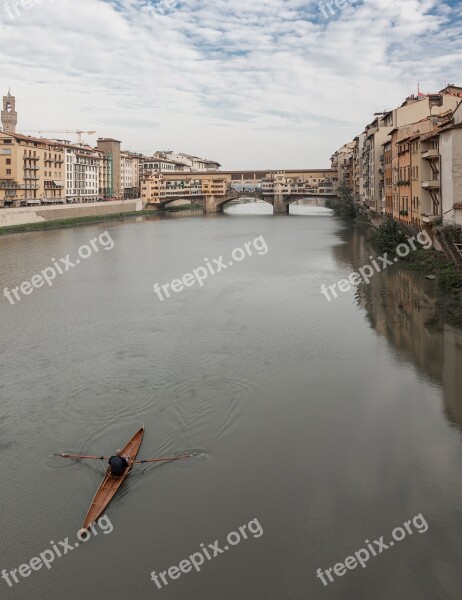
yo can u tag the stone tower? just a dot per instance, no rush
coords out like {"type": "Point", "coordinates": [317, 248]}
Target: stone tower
{"type": "Point", "coordinates": [9, 114]}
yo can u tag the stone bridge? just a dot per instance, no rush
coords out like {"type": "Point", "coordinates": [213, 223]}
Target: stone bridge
{"type": "Point", "coordinates": [215, 204]}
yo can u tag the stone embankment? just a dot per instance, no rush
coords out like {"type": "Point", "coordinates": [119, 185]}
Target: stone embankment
{"type": "Point", "coordinates": [10, 217]}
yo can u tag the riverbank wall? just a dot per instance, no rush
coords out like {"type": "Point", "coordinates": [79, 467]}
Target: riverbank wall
{"type": "Point", "coordinates": [10, 217]}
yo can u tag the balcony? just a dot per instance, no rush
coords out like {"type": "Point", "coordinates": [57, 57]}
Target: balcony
{"type": "Point", "coordinates": [431, 154]}
{"type": "Point", "coordinates": [8, 185]}
{"type": "Point", "coordinates": [431, 184]}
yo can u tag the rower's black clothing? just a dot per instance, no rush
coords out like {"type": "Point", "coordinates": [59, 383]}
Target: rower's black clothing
{"type": "Point", "coordinates": [118, 465]}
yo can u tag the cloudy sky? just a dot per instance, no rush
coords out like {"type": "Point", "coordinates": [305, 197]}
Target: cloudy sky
{"type": "Point", "coordinates": [250, 83]}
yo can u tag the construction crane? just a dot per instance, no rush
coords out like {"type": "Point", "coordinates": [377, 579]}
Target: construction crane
{"type": "Point", "coordinates": [78, 132]}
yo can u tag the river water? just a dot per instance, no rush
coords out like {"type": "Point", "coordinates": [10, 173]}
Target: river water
{"type": "Point", "coordinates": [330, 423]}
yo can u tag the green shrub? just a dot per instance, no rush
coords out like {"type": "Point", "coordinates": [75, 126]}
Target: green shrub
{"type": "Point", "coordinates": [343, 205]}
{"type": "Point", "coordinates": [390, 235]}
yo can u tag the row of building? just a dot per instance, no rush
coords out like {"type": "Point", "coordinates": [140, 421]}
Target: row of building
{"type": "Point", "coordinates": [407, 163]}
{"type": "Point", "coordinates": [51, 171]}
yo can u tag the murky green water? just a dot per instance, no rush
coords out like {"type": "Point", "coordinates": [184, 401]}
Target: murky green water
{"type": "Point", "coordinates": [330, 423]}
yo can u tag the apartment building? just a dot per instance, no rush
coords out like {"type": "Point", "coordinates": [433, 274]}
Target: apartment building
{"type": "Point", "coordinates": [357, 168]}
{"type": "Point", "coordinates": [105, 177]}
{"type": "Point", "coordinates": [192, 163]}
{"type": "Point", "coordinates": [32, 170]}
{"type": "Point", "coordinates": [450, 144]}
{"type": "Point", "coordinates": [342, 161]}
{"type": "Point", "coordinates": [403, 174]}
{"type": "Point", "coordinates": [161, 165]}
{"type": "Point", "coordinates": [376, 134]}
{"type": "Point", "coordinates": [82, 169]}
{"type": "Point", "coordinates": [388, 177]}
{"type": "Point", "coordinates": [130, 168]}
{"type": "Point", "coordinates": [416, 185]}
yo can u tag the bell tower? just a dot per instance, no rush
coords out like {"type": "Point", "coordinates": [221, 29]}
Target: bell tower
{"type": "Point", "coordinates": [9, 114]}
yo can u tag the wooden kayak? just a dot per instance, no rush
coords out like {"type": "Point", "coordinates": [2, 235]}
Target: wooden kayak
{"type": "Point", "coordinates": [111, 484]}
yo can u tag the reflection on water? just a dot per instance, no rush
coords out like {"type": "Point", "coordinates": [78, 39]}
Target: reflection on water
{"type": "Point", "coordinates": [305, 207]}
{"type": "Point", "coordinates": [407, 310]}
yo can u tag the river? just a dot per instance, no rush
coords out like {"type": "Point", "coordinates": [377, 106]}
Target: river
{"type": "Point", "coordinates": [318, 424]}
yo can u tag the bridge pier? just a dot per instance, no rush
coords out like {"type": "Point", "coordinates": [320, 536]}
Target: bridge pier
{"type": "Point", "coordinates": [279, 206]}
{"type": "Point", "coordinates": [211, 205]}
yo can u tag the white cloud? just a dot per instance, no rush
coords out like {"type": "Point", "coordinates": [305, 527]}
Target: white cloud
{"type": "Point", "coordinates": [267, 83]}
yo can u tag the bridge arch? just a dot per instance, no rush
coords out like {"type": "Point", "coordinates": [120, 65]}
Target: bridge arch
{"type": "Point", "coordinates": [166, 201]}
{"type": "Point", "coordinates": [221, 203]}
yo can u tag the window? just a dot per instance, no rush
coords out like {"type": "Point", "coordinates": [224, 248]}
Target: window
{"type": "Point", "coordinates": [8, 161]}
{"type": "Point", "coordinates": [8, 171]}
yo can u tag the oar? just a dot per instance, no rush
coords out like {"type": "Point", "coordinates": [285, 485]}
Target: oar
{"type": "Point", "coordinates": [81, 456]}
{"type": "Point", "coordinates": [151, 460]}
{"type": "Point", "coordinates": [133, 462]}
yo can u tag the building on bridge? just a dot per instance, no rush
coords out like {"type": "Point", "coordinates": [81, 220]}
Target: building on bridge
{"type": "Point", "coordinates": [214, 191]}
{"type": "Point", "coordinates": [157, 188]}
{"type": "Point", "coordinates": [289, 186]}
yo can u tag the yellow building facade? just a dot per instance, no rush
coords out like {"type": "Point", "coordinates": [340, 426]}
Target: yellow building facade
{"type": "Point", "coordinates": [31, 171]}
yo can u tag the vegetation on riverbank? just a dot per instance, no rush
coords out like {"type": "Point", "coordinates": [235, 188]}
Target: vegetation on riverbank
{"type": "Point", "coordinates": [448, 275]}
{"type": "Point", "coordinates": [392, 233]}
{"type": "Point", "coordinates": [344, 205]}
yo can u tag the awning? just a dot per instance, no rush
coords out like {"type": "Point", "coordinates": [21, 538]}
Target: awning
{"type": "Point", "coordinates": [58, 183]}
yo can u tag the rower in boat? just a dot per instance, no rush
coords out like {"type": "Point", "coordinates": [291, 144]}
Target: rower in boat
{"type": "Point", "coordinates": [119, 463]}
{"type": "Point", "coordinates": [126, 458]}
